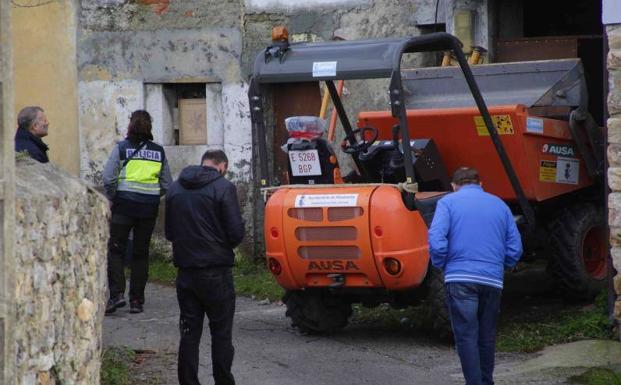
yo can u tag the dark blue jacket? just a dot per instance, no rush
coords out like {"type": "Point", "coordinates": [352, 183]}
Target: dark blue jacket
{"type": "Point", "coordinates": [33, 145]}
{"type": "Point", "coordinates": [203, 219]}
{"type": "Point", "coordinates": [473, 237]}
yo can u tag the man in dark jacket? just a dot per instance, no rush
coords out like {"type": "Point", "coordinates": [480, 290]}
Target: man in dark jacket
{"type": "Point", "coordinates": [204, 224]}
{"type": "Point", "coordinates": [32, 125]}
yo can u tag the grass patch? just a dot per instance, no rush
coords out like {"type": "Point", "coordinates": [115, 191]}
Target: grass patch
{"type": "Point", "coordinates": [523, 326]}
{"type": "Point", "coordinates": [115, 365]}
{"type": "Point", "coordinates": [531, 330]}
{"type": "Point", "coordinates": [252, 278]}
{"type": "Point", "coordinates": [597, 376]}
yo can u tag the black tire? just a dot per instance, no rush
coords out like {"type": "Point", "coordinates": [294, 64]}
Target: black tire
{"type": "Point", "coordinates": [316, 312]}
{"type": "Point", "coordinates": [579, 250]}
{"type": "Point", "coordinates": [440, 320]}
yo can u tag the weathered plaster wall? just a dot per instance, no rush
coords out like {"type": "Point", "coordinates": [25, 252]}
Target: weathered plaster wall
{"type": "Point", "coordinates": [44, 52]}
{"type": "Point", "coordinates": [61, 235]}
{"type": "Point", "coordinates": [130, 49]}
{"type": "Point", "coordinates": [614, 154]}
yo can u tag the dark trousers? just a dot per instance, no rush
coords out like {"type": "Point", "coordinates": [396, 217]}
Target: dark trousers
{"type": "Point", "coordinates": [208, 292]}
{"type": "Point", "coordinates": [120, 226]}
{"type": "Point", "coordinates": [473, 310]}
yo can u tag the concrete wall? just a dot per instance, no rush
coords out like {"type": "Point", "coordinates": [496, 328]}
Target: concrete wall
{"type": "Point", "coordinates": [61, 235]}
{"type": "Point", "coordinates": [44, 52]}
{"type": "Point", "coordinates": [614, 154]}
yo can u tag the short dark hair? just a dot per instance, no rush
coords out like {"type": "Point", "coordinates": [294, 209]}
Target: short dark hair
{"type": "Point", "coordinates": [216, 156]}
{"type": "Point", "coordinates": [27, 116]}
{"type": "Point", "coordinates": [466, 175]}
{"type": "Point", "coordinates": [139, 128]}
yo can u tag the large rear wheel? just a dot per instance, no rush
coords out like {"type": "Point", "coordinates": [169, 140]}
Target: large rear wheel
{"type": "Point", "coordinates": [316, 312]}
{"type": "Point", "coordinates": [440, 320]}
{"type": "Point", "coordinates": [580, 250]}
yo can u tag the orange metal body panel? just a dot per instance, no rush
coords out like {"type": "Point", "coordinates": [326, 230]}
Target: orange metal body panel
{"type": "Point", "coordinates": [454, 131]}
{"type": "Point", "coordinates": [309, 246]}
{"type": "Point", "coordinates": [403, 236]}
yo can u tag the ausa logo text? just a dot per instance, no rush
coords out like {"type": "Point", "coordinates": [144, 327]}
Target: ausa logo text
{"type": "Point", "coordinates": [332, 266]}
{"type": "Point", "coordinates": [558, 149]}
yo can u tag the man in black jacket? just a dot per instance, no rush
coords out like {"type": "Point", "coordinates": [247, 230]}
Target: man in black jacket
{"type": "Point", "coordinates": [204, 224]}
{"type": "Point", "coordinates": [32, 125]}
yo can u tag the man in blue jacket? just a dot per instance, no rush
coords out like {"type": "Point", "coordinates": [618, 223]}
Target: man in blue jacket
{"type": "Point", "coordinates": [204, 224]}
{"type": "Point", "coordinates": [32, 126]}
{"type": "Point", "coordinates": [472, 239]}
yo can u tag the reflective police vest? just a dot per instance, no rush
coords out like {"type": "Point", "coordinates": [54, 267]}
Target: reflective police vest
{"type": "Point", "coordinates": [141, 174]}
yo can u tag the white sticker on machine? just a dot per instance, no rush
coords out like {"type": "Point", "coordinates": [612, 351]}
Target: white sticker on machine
{"type": "Point", "coordinates": [323, 69]}
{"type": "Point", "coordinates": [534, 125]}
{"type": "Point", "coordinates": [567, 170]}
{"type": "Point", "coordinates": [326, 200]}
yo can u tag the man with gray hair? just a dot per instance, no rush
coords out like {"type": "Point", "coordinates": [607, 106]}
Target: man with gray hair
{"type": "Point", "coordinates": [32, 125]}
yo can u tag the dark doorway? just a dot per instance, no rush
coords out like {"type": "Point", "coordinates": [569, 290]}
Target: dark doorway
{"type": "Point", "coordinates": [555, 29]}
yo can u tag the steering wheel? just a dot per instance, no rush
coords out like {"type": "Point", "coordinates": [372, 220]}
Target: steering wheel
{"type": "Point", "coordinates": [363, 144]}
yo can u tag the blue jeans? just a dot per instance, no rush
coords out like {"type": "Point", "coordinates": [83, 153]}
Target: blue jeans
{"type": "Point", "coordinates": [473, 309]}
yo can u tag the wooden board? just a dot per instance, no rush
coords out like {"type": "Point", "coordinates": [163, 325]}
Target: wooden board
{"type": "Point", "coordinates": [192, 121]}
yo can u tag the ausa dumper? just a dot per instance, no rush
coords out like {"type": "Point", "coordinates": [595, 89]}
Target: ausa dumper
{"type": "Point", "coordinates": [333, 241]}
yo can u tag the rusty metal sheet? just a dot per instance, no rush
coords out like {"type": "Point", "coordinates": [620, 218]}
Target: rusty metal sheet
{"type": "Point", "coordinates": [524, 49]}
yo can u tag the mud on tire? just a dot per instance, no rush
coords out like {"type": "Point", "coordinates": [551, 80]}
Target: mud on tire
{"type": "Point", "coordinates": [579, 250]}
{"type": "Point", "coordinates": [316, 312]}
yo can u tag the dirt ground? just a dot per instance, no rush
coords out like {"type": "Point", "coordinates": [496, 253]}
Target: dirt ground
{"type": "Point", "coordinates": [269, 351]}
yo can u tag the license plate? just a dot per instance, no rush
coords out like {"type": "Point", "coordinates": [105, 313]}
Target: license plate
{"type": "Point", "coordinates": [305, 163]}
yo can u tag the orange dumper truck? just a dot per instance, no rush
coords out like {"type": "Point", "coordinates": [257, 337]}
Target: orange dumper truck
{"type": "Point", "coordinates": [332, 241]}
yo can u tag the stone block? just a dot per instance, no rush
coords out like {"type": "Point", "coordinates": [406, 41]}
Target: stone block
{"type": "Point", "coordinates": [617, 283]}
{"type": "Point", "coordinates": [614, 59]}
{"type": "Point", "coordinates": [617, 310]}
{"type": "Point", "coordinates": [44, 378]}
{"type": "Point", "coordinates": [615, 236]}
{"type": "Point", "coordinates": [614, 37]}
{"type": "Point", "coordinates": [614, 179]}
{"type": "Point", "coordinates": [614, 129]}
{"type": "Point", "coordinates": [615, 254]}
{"type": "Point", "coordinates": [614, 155]}
{"type": "Point", "coordinates": [614, 210]}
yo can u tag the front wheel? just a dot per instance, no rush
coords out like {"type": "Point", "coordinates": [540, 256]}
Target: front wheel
{"type": "Point", "coordinates": [316, 312]}
{"type": "Point", "coordinates": [580, 250]}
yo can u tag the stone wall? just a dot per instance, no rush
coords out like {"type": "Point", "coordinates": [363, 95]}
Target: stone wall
{"type": "Point", "coordinates": [60, 261]}
{"type": "Point", "coordinates": [614, 154]}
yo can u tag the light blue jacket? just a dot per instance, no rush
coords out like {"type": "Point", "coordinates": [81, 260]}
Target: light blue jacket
{"type": "Point", "coordinates": [473, 237]}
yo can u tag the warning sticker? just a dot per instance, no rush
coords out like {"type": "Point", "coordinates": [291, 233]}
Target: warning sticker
{"type": "Point", "coordinates": [326, 200]}
{"type": "Point", "coordinates": [502, 123]}
{"type": "Point", "coordinates": [567, 170]}
{"type": "Point", "coordinates": [547, 171]}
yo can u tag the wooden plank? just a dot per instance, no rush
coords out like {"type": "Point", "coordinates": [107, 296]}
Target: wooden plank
{"type": "Point", "coordinates": [192, 121]}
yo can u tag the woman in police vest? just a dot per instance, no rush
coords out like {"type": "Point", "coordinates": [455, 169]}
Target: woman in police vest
{"type": "Point", "coordinates": [135, 177]}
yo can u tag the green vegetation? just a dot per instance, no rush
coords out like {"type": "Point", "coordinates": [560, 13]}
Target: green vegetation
{"type": "Point", "coordinates": [597, 376]}
{"type": "Point", "coordinates": [522, 328]}
{"type": "Point", "coordinates": [115, 365]}
{"type": "Point", "coordinates": [529, 331]}
{"type": "Point", "coordinates": [251, 278]}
